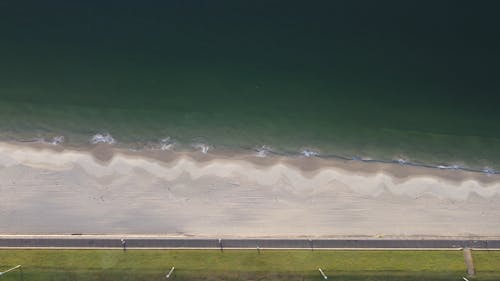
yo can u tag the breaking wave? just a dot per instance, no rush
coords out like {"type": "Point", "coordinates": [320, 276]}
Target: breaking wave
{"type": "Point", "coordinates": [167, 144]}
{"type": "Point", "coordinates": [102, 138]}
{"type": "Point", "coordinates": [202, 147]}
{"type": "Point", "coordinates": [309, 152]}
{"type": "Point", "coordinates": [57, 140]}
{"type": "Point", "coordinates": [263, 151]}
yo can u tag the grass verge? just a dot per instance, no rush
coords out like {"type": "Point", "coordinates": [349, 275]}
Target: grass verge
{"type": "Point", "coordinates": [94, 265]}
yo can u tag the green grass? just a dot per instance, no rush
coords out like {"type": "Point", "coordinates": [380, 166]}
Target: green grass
{"type": "Point", "coordinates": [487, 263]}
{"type": "Point", "coordinates": [244, 265]}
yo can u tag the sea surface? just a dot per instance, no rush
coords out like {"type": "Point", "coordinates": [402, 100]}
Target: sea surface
{"type": "Point", "coordinates": [407, 81]}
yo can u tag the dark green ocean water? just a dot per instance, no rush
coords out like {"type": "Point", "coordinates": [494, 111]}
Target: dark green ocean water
{"type": "Point", "coordinates": [417, 80]}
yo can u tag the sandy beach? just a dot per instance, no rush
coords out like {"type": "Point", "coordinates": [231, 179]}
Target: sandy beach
{"type": "Point", "coordinates": [50, 190]}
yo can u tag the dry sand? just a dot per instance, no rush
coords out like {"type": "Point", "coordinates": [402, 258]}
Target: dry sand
{"type": "Point", "coordinates": [45, 190]}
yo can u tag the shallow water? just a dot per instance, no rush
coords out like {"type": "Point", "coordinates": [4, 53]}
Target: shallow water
{"type": "Point", "coordinates": [386, 81]}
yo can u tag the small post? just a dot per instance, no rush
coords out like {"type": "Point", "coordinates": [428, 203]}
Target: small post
{"type": "Point", "coordinates": [311, 244]}
{"type": "Point", "coordinates": [323, 274]}
{"type": "Point", "coordinates": [10, 269]}
{"type": "Point", "coordinates": [220, 245]}
{"type": "Point", "coordinates": [124, 244]}
{"type": "Point", "coordinates": [258, 249]}
{"type": "Point", "coordinates": [170, 272]}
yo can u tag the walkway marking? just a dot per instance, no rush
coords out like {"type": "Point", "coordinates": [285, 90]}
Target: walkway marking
{"type": "Point", "coordinates": [323, 274]}
{"type": "Point", "coordinates": [10, 269]}
{"type": "Point", "coordinates": [170, 272]}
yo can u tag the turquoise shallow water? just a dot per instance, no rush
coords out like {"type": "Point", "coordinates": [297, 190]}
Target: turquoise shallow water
{"type": "Point", "coordinates": [417, 81]}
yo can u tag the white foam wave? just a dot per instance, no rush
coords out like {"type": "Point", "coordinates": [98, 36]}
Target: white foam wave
{"type": "Point", "coordinates": [263, 151]}
{"type": "Point", "coordinates": [401, 161]}
{"type": "Point", "coordinates": [57, 140]}
{"type": "Point", "coordinates": [102, 138]}
{"type": "Point", "coordinates": [309, 153]}
{"type": "Point", "coordinates": [488, 171]}
{"type": "Point", "coordinates": [167, 144]}
{"type": "Point", "coordinates": [451, 167]}
{"type": "Point", "coordinates": [203, 148]}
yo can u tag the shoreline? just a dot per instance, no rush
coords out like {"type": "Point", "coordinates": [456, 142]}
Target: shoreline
{"type": "Point", "coordinates": [308, 165]}
{"type": "Point", "coordinates": [53, 190]}
{"type": "Point", "coordinates": [193, 147]}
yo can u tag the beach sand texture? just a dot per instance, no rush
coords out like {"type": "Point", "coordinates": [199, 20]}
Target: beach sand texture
{"type": "Point", "coordinates": [49, 191]}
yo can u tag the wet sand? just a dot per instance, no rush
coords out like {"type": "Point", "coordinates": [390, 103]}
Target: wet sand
{"type": "Point", "coordinates": [51, 190]}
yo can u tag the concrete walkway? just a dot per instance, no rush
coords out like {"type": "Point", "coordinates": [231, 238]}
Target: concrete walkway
{"type": "Point", "coordinates": [214, 243]}
{"type": "Point", "coordinates": [469, 262]}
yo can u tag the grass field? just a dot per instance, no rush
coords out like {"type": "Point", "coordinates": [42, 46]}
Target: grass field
{"type": "Point", "coordinates": [245, 265]}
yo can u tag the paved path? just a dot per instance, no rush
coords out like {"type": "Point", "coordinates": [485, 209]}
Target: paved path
{"type": "Point", "coordinates": [83, 242]}
{"type": "Point", "coordinates": [469, 262]}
